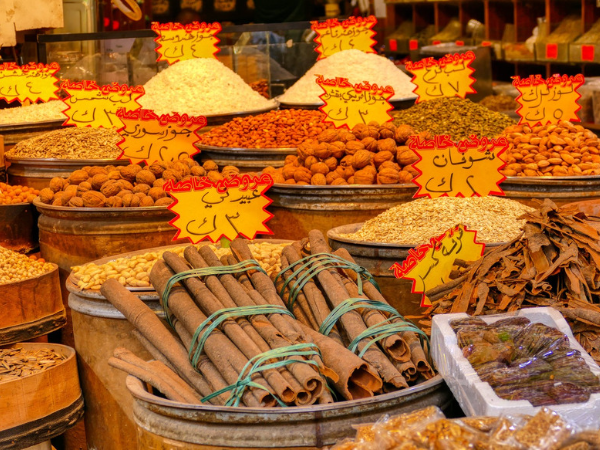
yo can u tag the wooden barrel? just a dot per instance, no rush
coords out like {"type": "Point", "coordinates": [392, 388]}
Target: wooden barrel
{"type": "Point", "coordinates": [13, 134]}
{"type": "Point", "coordinates": [37, 172]}
{"type": "Point", "coordinates": [18, 229]}
{"type": "Point", "coordinates": [38, 407]}
{"type": "Point", "coordinates": [532, 190]}
{"type": "Point", "coordinates": [378, 258]}
{"type": "Point", "coordinates": [245, 159]}
{"type": "Point", "coordinates": [31, 308]}
{"type": "Point", "coordinates": [299, 209]}
{"type": "Point", "coordinates": [167, 425]}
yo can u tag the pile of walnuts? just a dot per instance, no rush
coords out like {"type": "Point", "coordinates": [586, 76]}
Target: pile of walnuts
{"type": "Point", "coordinates": [368, 154]}
{"type": "Point", "coordinates": [126, 186]}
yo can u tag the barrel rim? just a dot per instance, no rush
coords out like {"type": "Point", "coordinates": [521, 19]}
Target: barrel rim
{"type": "Point", "coordinates": [305, 104]}
{"type": "Point", "coordinates": [548, 181]}
{"type": "Point", "coordinates": [65, 161]}
{"type": "Point", "coordinates": [23, 126]}
{"type": "Point", "coordinates": [125, 210]}
{"type": "Point", "coordinates": [247, 150]}
{"type": "Point", "coordinates": [16, 204]}
{"type": "Point", "coordinates": [136, 389]}
{"type": "Point", "coordinates": [357, 187]}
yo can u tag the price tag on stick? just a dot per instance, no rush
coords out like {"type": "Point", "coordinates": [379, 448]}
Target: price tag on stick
{"type": "Point", "coordinates": [543, 101]}
{"type": "Point", "coordinates": [90, 105]}
{"type": "Point", "coordinates": [224, 209]}
{"type": "Point", "coordinates": [348, 105]}
{"type": "Point", "coordinates": [177, 42]}
{"type": "Point", "coordinates": [148, 137]}
{"type": "Point", "coordinates": [31, 82]}
{"type": "Point", "coordinates": [449, 76]}
{"type": "Point", "coordinates": [431, 264]}
{"type": "Point", "coordinates": [334, 36]}
{"type": "Point", "coordinates": [458, 169]}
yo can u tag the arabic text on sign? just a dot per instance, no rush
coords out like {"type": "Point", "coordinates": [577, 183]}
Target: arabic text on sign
{"type": "Point", "coordinates": [90, 105]}
{"type": "Point", "coordinates": [30, 82]}
{"type": "Point", "coordinates": [429, 265]}
{"type": "Point", "coordinates": [466, 168]}
{"type": "Point", "coordinates": [225, 209]}
{"type": "Point", "coordinates": [543, 101]}
{"type": "Point", "coordinates": [334, 36]}
{"type": "Point", "coordinates": [177, 42]}
{"type": "Point", "coordinates": [450, 76]}
{"type": "Point", "coordinates": [148, 137]}
{"type": "Point", "coordinates": [348, 105]}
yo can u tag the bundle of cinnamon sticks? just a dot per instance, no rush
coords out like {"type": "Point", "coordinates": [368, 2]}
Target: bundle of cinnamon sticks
{"type": "Point", "coordinates": [555, 262]}
{"type": "Point", "coordinates": [232, 337]}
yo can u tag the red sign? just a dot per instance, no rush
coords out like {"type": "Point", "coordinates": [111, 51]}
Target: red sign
{"type": "Point", "coordinates": [393, 45]}
{"type": "Point", "coordinates": [551, 51]}
{"type": "Point", "coordinates": [413, 44]}
{"type": "Point", "coordinates": [587, 52]}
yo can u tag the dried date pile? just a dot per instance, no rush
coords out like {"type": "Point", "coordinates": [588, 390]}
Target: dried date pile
{"type": "Point", "coordinates": [555, 262]}
{"type": "Point", "coordinates": [18, 362]}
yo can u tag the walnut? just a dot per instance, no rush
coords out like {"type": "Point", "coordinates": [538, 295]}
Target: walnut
{"type": "Point", "coordinates": [360, 131]}
{"type": "Point", "coordinates": [403, 132]}
{"type": "Point", "coordinates": [414, 172]}
{"type": "Point", "coordinates": [142, 187]}
{"type": "Point", "coordinates": [278, 178]}
{"type": "Point", "coordinates": [309, 161]}
{"type": "Point", "coordinates": [372, 131]}
{"type": "Point", "coordinates": [229, 171]}
{"type": "Point", "coordinates": [57, 202]}
{"type": "Point", "coordinates": [292, 159]}
{"type": "Point", "coordinates": [388, 176]}
{"type": "Point", "coordinates": [146, 201]}
{"type": "Point", "coordinates": [111, 187]}
{"type": "Point", "coordinates": [165, 201]}
{"type": "Point", "coordinates": [79, 176]}
{"type": "Point", "coordinates": [328, 136]}
{"type": "Point", "coordinates": [323, 150]}
{"type": "Point", "coordinates": [351, 180]}
{"type": "Point", "coordinates": [341, 170]}
{"type": "Point", "coordinates": [127, 200]}
{"type": "Point", "coordinates": [339, 182]}
{"type": "Point", "coordinates": [302, 183]}
{"type": "Point", "coordinates": [405, 176]}
{"type": "Point", "coordinates": [288, 171]}
{"type": "Point", "coordinates": [387, 145]}
{"type": "Point", "coordinates": [114, 202]}
{"type": "Point", "coordinates": [364, 177]}
{"type": "Point", "coordinates": [362, 158]}
{"type": "Point", "coordinates": [169, 175]}
{"type": "Point", "coordinates": [126, 185]}
{"type": "Point", "coordinates": [331, 177]}
{"type": "Point", "coordinates": [145, 177]}
{"type": "Point", "coordinates": [370, 144]}
{"type": "Point", "coordinates": [75, 202]}
{"type": "Point", "coordinates": [47, 196]}
{"type": "Point", "coordinates": [349, 172]}
{"type": "Point", "coordinates": [387, 130]}
{"type": "Point", "coordinates": [57, 184]}
{"type": "Point", "coordinates": [95, 170]}
{"type": "Point", "coordinates": [135, 201]}
{"type": "Point", "coordinates": [156, 193]}
{"type": "Point", "coordinates": [157, 169]}
{"type": "Point", "coordinates": [382, 157]}
{"type": "Point", "coordinates": [319, 168]}
{"type": "Point", "coordinates": [83, 187]}
{"type": "Point", "coordinates": [129, 172]}
{"type": "Point", "coordinates": [389, 165]}
{"type": "Point", "coordinates": [68, 194]}
{"type": "Point", "coordinates": [338, 149]}
{"type": "Point", "coordinates": [305, 149]}
{"type": "Point", "coordinates": [181, 167]}
{"type": "Point", "coordinates": [185, 159]}
{"type": "Point", "coordinates": [98, 180]}
{"type": "Point", "coordinates": [114, 175]}
{"type": "Point", "coordinates": [347, 161]}
{"type": "Point", "coordinates": [318, 180]}
{"type": "Point", "coordinates": [353, 147]}
{"type": "Point", "coordinates": [371, 169]}
{"type": "Point", "coordinates": [124, 192]}
{"type": "Point", "coordinates": [347, 137]}
{"type": "Point", "coordinates": [210, 165]}
{"type": "Point", "coordinates": [215, 176]}
{"type": "Point", "coordinates": [159, 183]}
{"type": "Point", "coordinates": [290, 181]}
{"type": "Point", "coordinates": [198, 171]}
{"type": "Point", "coordinates": [93, 199]}
{"type": "Point", "coordinates": [407, 157]}
{"type": "Point", "coordinates": [302, 174]}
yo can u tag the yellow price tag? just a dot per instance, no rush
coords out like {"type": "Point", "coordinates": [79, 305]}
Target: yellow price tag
{"type": "Point", "coordinates": [148, 137]}
{"type": "Point", "coordinates": [348, 105]}
{"type": "Point", "coordinates": [177, 42]}
{"type": "Point", "coordinates": [548, 101]}
{"type": "Point", "coordinates": [467, 168]}
{"type": "Point", "coordinates": [429, 265]}
{"type": "Point", "coordinates": [224, 209]}
{"type": "Point", "coordinates": [31, 82]}
{"type": "Point", "coordinates": [353, 33]}
{"type": "Point", "coordinates": [450, 76]}
{"type": "Point", "coordinates": [90, 105]}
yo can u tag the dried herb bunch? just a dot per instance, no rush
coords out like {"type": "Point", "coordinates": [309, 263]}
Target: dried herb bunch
{"type": "Point", "coordinates": [553, 263]}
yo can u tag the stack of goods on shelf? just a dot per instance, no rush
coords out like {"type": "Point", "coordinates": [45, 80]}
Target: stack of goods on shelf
{"type": "Point", "coordinates": [368, 154]}
{"type": "Point", "coordinates": [455, 117]}
{"type": "Point", "coordinates": [567, 31]}
{"type": "Point", "coordinates": [429, 429]}
{"type": "Point", "coordinates": [35, 112]}
{"type": "Point", "coordinates": [577, 53]}
{"type": "Point", "coordinates": [357, 67]}
{"type": "Point", "coordinates": [201, 87]}
{"type": "Point", "coordinates": [306, 339]}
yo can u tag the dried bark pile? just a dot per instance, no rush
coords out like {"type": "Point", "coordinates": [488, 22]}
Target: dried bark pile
{"type": "Point", "coordinates": [553, 263]}
{"type": "Point", "coordinates": [212, 349]}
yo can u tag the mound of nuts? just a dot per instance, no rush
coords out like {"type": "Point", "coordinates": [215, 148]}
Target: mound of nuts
{"type": "Point", "coordinates": [16, 267]}
{"type": "Point", "coordinates": [285, 128]}
{"type": "Point", "coordinates": [127, 186]}
{"type": "Point", "coordinates": [10, 195]}
{"type": "Point", "coordinates": [558, 150]}
{"type": "Point", "coordinates": [368, 154]}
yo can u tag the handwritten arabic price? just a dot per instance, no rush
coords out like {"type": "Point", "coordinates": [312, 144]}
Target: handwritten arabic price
{"type": "Point", "coordinates": [548, 101]}
{"type": "Point", "coordinates": [177, 42]}
{"type": "Point", "coordinates": [458, 169]}
{"type": "Point", "coordinates": [334, 36]}
{"type": "Point", "coordinates": [430, 265]}
{"type": "Point", "coordinates": [450, 76]}
{"type": "Point", "coordinates": [348, 105]}
{"type": "Point", "coordinates": [224, 209]}
{"type": "Point", "coordinates": [90, 105]}
{"type": "Point", "coordinates": [148, 137]}
{"type": "Point", "coordinates": [31, 82]}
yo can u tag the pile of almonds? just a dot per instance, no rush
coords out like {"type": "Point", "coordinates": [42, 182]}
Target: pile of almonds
{"type": "Point", "coordinates": [127, 186]}
{"type": "Point", "coordinates": [13, 194]}
{"type": "Point", "coordinates": [558, 150]}
{"type": "Point", "coordinates": [368, 154]}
